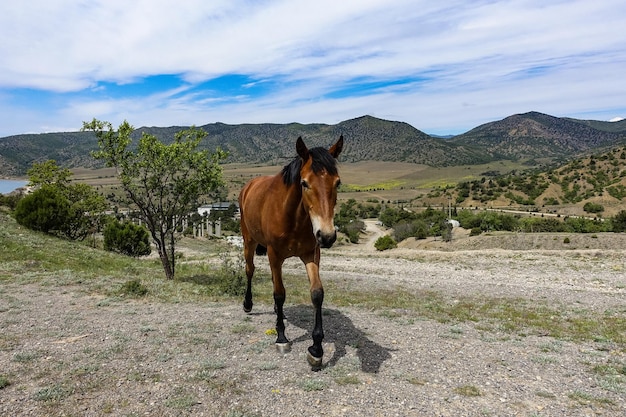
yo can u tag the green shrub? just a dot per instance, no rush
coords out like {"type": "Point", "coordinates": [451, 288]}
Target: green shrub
{"type": "Point", "coordinates": [126, 238]}
{"type": "Point", "coordinates": [72, 211]}
{"type": "Point", "coordinates": [618, 222]}
{"type": "Point", "coordinates": [385, 242]}
{"type": "Point", "coordinates": [593, 208]}
{"type": "Point", "coordinates": [353, 230]}
{"type": "Point", "coordinates": [44, 210]}
{"type": "Point", "coordinates": [475, 231]}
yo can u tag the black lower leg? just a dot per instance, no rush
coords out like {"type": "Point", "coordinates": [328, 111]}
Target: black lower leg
{"type": "Point", "coordinates": [247, 299]}
{"type": "Point", "coordinates": [316, 350]}
{"type": "Point", "coordinates": [279, 301]}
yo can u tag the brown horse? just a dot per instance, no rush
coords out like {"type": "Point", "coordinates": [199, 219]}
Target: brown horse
{"type": "Point", "coordinates": [291, 214]}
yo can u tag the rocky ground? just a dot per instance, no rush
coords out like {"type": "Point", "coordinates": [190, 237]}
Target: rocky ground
{"type": "Point", "coordinates": [64, 352]}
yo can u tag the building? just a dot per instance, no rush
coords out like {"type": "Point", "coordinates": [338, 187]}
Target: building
{"type": "Point", "coordinates": [205, 210]}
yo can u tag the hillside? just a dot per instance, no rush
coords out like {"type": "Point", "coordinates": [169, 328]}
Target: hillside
{"type": "Point", "coordinates": [539, 136]}
{"type": "Point", "coordinates": [599, 179]}
{"type": "Point", "coordinates": [531, 136]}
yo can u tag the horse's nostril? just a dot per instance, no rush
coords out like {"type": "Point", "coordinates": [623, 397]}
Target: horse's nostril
{"type": "Point", "coordinates": [326, 241]}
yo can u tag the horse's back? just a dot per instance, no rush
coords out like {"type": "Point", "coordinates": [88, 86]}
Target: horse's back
{"type": "Point", "coordinates": [252, 195]}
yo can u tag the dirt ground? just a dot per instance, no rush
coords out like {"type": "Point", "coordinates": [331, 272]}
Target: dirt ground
{"type": "Point", "coordinates": [67, 353]}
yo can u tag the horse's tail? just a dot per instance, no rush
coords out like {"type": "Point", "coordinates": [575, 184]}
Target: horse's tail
{"type": "Point", "coordinates": [261, 250]}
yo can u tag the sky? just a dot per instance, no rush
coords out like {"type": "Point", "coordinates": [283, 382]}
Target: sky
{"type": "Point", "coordinates": [444, 67]}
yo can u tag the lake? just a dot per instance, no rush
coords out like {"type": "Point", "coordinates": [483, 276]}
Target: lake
{"type": "Point", "coordinates": [6, 186]}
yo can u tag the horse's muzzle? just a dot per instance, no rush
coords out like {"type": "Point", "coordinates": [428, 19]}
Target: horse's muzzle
{"type": "Point", "coordinates": [326, 240]}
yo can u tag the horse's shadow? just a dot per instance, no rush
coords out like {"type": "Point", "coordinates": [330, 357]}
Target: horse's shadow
{"type": "Point", "coordinates": [340, 330]}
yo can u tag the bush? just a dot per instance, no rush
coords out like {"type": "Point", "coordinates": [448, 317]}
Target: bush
{"type": "Point", "coordinates": [385, 242]}
{"type": "Point", "coordinates": [593, 207]}
{"type": "Point", "coordinates": [45, 210]}
{"type": "Point", "coordinates": [475, 231]}
{"type": "Point", "coordinates": [618, 222]}
{"type": "Point", "coordinates": [126, 238]}
{"type": "Point", "coordinates": [10, 200]}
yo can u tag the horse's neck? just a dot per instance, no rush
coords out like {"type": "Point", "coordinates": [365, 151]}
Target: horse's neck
{"type": "Point", "coordinates": [293, 201]}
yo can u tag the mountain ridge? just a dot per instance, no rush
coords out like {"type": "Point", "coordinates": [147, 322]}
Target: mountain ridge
{"type": "Point", "coordinates": [524, 136]}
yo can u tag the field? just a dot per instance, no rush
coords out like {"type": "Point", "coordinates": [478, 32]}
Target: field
{"type": "Point", "coordinates": [492, 325]}
{"type": "Point", "coordinates": [361, 180]}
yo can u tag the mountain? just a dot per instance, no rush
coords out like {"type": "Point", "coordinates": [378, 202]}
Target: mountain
{"type": "Point", "coordinates": [368, 138]}
{"type": "Point", "coordinates": [535, 135]}
{"type": "Point", "coordinates": [522, 137]}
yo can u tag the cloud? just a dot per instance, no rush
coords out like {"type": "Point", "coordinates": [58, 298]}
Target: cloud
{"type": "Point", "coordinates": [442, 67]}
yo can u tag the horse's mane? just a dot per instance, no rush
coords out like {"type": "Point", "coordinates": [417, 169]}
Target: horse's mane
{"type": "Point", "coordinates": [322, 160]}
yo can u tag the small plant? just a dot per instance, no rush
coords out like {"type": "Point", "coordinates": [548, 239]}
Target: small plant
{"type": "Point", "coordinates": [4, 381]}
{"type": "Point", "coordinates": [313, 385]}
{"type": "Point", "coordinates": [347, 379]}
{"type": "Point", "coordinates": [566, 240]}
{"type": "Point", "coordinates": [467, 391]}
{"type": "Point", "coordinates": [133, 288]}
{"type": "Point", "coordinates": [52, 393]}
{"type": "Point", "coordinates": [385, 242]}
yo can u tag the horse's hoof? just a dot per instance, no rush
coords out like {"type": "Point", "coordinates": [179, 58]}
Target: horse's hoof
{"type": "Point", "coordinates": [283, 347]}
{"type": "Point", "coordinates": [247, 310]}
{"type": "Point", "coordinates": [316, 363]}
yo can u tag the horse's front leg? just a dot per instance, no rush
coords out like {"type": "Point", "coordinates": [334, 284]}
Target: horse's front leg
{"type": "Point", "coordinates": [283, 345]}
{"type": "Point", "coordinates": [315, 352]}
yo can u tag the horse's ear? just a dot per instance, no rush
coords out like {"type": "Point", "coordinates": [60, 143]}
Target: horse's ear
{"type": "Point", "coordinates": [302, 150]}
{"type": "Point", "coordinates": [335, 150]}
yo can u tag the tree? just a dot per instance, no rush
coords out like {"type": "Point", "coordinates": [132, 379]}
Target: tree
{"type": "Point", "coordinates": [48, 173]}
{"type": "Point", "coordinates": [161, 182]}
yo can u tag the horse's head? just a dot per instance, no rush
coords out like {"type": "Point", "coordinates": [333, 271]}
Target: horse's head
{"type": "Point", "coordinates": [319, 180]}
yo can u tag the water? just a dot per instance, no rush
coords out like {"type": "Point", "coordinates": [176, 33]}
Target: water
{"type": "Point", "coordinates": [6, 186]}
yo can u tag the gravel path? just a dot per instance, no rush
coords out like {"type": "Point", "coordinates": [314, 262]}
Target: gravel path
{"type": "Point", "coordinates": [66, 353]}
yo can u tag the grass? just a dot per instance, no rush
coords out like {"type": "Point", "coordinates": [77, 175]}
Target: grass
{"type": "Point", "coordinates": [584, 398]}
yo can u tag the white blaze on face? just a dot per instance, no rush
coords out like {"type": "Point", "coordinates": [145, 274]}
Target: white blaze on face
{"type": "Point", "coordinates": [317, 224]}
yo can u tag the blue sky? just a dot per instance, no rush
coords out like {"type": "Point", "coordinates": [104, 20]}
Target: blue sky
{"type": "Point", "coordinates": [443, 67]}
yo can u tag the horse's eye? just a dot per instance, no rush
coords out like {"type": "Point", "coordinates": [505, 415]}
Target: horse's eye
{"type": "Point", "coordinates": [338, 184]}
{"type": "Point", "coordinates": [304, 184]}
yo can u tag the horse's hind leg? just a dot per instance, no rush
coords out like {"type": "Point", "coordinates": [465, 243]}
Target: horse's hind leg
{"type": "Point", "coordinates": [248, 253]}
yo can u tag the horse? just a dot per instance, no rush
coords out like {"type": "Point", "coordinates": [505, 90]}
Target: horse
{"type": "Point", "coordinates": [291, 214]}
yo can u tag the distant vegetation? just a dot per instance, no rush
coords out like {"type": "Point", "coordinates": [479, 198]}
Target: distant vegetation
{"type": "Point", "coordinates": [597, 176]}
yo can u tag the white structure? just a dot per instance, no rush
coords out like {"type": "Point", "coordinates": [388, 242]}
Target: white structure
{"type": "Point", "coordinates": [206, 209]}
{"type": "Point", "coordinates": [454, 223]}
